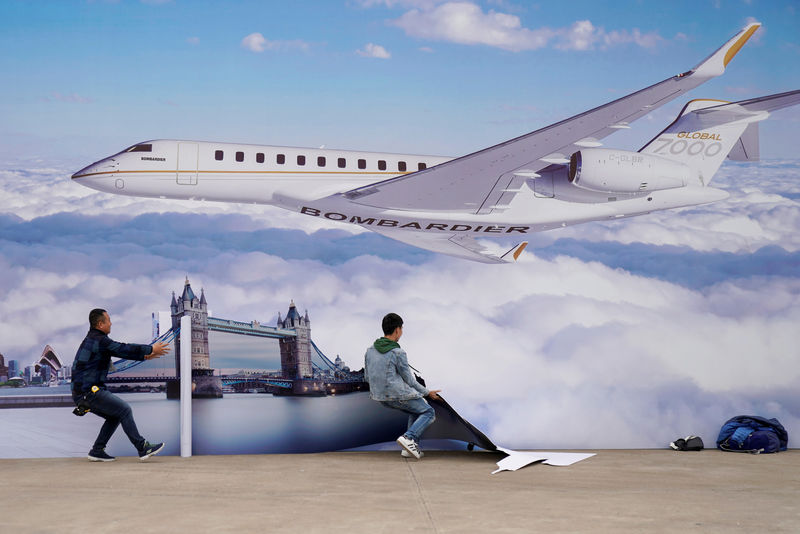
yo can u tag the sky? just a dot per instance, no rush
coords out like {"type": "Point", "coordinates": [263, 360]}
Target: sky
{"type": "Point", "coordinates": [616, 334]}
{"type": "Point", "coordinates": [83, 79]}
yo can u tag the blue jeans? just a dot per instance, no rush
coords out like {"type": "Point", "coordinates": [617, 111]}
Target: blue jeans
{"type": "Point", "coordinates": [115, 411]}
{"type": "Point", "coordinates": [420, 415]}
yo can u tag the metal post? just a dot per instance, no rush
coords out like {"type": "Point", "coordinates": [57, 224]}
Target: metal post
{"type": "Point", "coordinates": [186, 386]}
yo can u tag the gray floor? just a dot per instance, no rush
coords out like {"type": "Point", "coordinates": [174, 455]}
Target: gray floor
{"type": "Point", "coordinates": [373, 492]}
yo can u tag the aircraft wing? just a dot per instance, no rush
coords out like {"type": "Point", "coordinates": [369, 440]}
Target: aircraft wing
{"type": "Point", "coordinates": [459, 245]}
{"type": "Point", "coordinates": [486, 181]}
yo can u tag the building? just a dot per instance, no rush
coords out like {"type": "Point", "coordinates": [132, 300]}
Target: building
{"type": "Point", "coordinates": [189, 304]}
{"type": "Point", "coordinates": [13, 369]}
{"type": "Point", "coordinates": [3, 369]}
{"type": "Point", "coordinates": [296, 351]}
{"type": "Point", "coordinates": [205, 384]}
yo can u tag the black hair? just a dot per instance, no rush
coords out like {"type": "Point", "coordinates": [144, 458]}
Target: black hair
{"type": "Point", "coordinates": [390, 322]}
{"type": "Point", "coordinates": [95, 316]}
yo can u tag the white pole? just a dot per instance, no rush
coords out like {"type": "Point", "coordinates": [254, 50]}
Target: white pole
{"type": "Point", "coordinates": [186, 386]}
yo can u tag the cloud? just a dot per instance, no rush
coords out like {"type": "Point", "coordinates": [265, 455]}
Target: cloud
{"type": "Point", "coordinates": [256, 42]}
{"type": "Point", "coordinates": [607, 335]}
{"type": "Point", "coordinates": [374, 50]}
{"type": "Point", "coordinates": [467, 23]}
{"type": "Point", "coordinates": [193, 40]}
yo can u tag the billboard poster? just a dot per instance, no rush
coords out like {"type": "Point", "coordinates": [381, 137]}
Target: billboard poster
{"type": "Point", "coordinates": [256, 388]}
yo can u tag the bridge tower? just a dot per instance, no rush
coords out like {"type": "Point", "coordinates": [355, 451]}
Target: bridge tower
{"type": "Point", "coordinates": [296, 351]}
{"type": "Point", "coordinates": [205, 384]}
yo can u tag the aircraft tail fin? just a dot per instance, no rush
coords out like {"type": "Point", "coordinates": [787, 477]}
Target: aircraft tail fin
{"type": "Point", "coordinates": [707, 131]}
{"type": "Point", "coordinates": [747, 147]}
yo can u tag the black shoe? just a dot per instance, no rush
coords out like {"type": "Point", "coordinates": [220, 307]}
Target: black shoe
{"type": "Point", "coordinates": [100, 456]}
{"type": "Point", "coordinates": [149, 449]}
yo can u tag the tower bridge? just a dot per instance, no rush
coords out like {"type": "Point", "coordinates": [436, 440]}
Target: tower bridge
{"type": "Point", "coordinates": [300, 374]}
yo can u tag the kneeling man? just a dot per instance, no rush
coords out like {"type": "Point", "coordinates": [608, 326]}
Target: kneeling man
{"type": "Point", "coordinates": [392, 383]}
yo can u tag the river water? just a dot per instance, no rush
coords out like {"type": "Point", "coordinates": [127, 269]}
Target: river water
{"type": "Point", "coordinates": [243, 423]}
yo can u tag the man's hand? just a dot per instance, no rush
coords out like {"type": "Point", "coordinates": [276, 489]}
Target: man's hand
{"type": "Point", "coordinates": [158, 350]}
{"type": "Point", "coordinates": [434, 394]}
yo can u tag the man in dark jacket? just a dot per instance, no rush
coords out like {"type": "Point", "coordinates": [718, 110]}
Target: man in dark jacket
{"type": "Point", "coordinates": [89, 371]}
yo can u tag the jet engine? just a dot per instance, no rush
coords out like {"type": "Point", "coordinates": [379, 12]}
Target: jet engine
{"type": "Point", "coordinates": [618, 171]}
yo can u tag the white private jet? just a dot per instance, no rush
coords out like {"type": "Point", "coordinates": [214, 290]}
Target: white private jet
{"type": "Point", "coordinates": [550, 178]}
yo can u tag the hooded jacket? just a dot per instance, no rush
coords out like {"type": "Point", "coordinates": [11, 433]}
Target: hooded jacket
{"type": "Point", "coordinates": [388, 374]}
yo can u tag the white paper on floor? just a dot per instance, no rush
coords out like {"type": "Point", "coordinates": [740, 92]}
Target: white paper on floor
{"type": "Point", "coordinates": [518, 459]}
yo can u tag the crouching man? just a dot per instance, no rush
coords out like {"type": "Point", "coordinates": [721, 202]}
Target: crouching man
{"type": "Point", "coordinates": [392, 383]}
{"type": "Point", "coordinates": [89, 371]}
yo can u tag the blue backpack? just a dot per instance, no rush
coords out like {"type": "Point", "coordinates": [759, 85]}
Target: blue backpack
{"type": "Point", "coordinates": [754, 434]}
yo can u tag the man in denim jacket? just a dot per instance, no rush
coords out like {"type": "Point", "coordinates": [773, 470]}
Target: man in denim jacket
{"type": "Point", "coordinates": [392, 383]}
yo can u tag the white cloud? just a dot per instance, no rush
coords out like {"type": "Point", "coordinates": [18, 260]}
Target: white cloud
{"type": "Point", "coordinates": [467, 23]}
{"type": "Point", "coordinates": [556, 351]}
{"type": "Point", "coordinates": [374, 50]}
{"type": "Point", "coordinates": [256, 42]}
{"type": "Point", "coordinates": [193, 40]}
{"type": "Point", "coordinates": [763, 210]}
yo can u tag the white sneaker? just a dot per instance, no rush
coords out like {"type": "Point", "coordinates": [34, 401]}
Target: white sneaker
{"type": "Point", "coordinates": [409, 446]}
{"type": "Point", "coordinates": [405, 454]}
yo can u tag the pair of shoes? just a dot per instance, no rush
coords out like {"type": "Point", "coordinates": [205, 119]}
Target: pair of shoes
{"type": "Point", "coordinates": [410, 446]}
{"type": "Point", "coordinates": [149, 449]}
{"type": "Point", "coordinates": [405, 454]}
{"type": "Point", "coordinates": [100, 456]}
{"type": "Point", "coordinates": [689, 443]}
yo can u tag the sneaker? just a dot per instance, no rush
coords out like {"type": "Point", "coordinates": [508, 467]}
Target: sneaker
{"type": "Point", "coordinates": [100, 456]}
{"type": "Point", "coordinates": [405, 454]}
{"type": "Point", "coordinates": [149, 450]}
{"type": "Point", "coordinates": [410, 446]}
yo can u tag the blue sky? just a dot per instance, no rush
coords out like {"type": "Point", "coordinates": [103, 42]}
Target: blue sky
{"type": "Point", "coordinates": [83, 79]}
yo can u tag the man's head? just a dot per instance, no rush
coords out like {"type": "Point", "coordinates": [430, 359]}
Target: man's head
{"type": "Point", "coordinates": [99, 319]}
{"type": "Point", "coordinates": [392, 326]}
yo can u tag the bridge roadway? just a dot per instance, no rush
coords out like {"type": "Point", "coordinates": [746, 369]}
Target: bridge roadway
{"type": "Point", "coordinates": [253, 328]}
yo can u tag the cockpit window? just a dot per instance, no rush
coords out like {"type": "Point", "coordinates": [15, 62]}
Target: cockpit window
{"type": "Point", "coordinates": [141, 148]}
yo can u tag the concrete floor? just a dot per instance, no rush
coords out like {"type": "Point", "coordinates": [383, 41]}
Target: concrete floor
{"type": "Point", "coordinates": [375, 492]}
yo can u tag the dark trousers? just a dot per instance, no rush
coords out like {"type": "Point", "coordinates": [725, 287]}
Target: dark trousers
{"type": "Point", "coordinates": [115, 411]}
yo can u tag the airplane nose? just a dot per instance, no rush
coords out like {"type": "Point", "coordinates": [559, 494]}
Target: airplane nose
{"type": "Point", "coordinates": [104, 166]}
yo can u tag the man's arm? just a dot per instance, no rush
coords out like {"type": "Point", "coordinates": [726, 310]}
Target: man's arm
{"type": "Point", "coordinates": [405, 372]}
{"type": "Point", "coordinates": [135, 351]}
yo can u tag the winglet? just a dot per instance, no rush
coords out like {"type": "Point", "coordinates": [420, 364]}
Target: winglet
{"type": "Point", "coordinates": [514, 252]}
{"type": "Point", "coordinates": [715, 64]}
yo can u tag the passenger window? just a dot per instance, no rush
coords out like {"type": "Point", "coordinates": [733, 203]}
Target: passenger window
{"type": "Point", "coordinates": [218, 155]}
{"type": "Point", "coordinates": [259, 157]}
{"type": "Point", "coordinates": [362, 164]}
{"type": "Point", "coordinates": [381, 165]}
{"type": "Point", "coordinates": [141, 148]}
{"type": "Point", "coordinates": [342, 163]}
{"type": "Point", "coordinates": [320, 161]}
{"type": "Point", "coordinates": [240, 156]}
{"type": "Point", "coordinates": [301, 160]}
{"type": "Point", "coordinates": [281, 159]}
{"type": "Point", "coordinates": [401, 166]}
{"type": "Point", "coordinates": [422, 166]}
